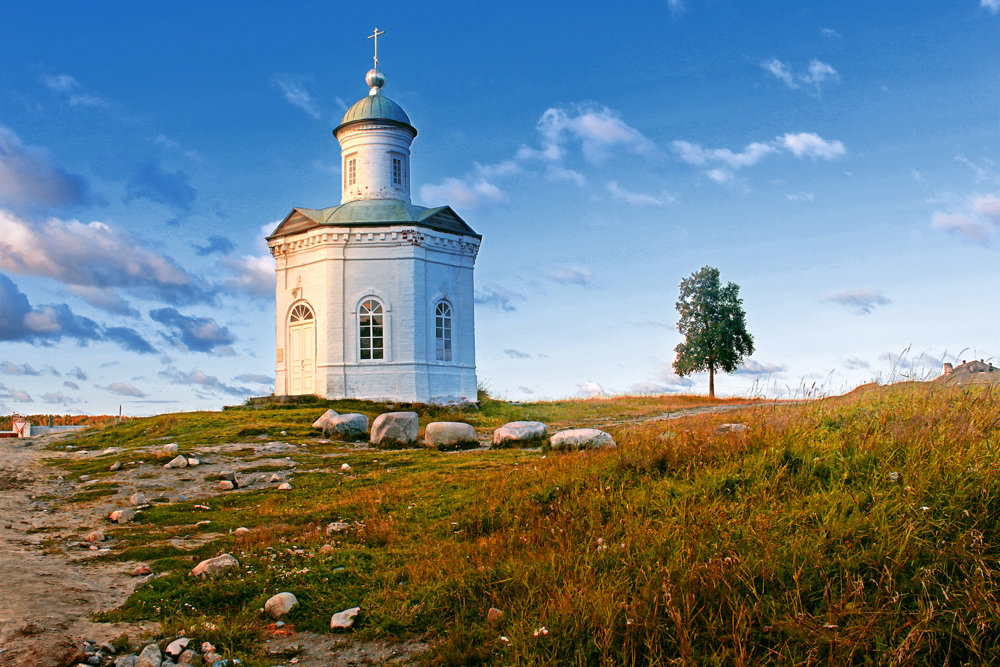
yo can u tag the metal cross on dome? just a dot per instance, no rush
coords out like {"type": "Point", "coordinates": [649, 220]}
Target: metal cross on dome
{"type": "Point", "coordinates": [374, 36]}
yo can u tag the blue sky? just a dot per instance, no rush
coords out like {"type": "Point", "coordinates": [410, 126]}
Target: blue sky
{"type": "Point", "coordinates": [839, 161]}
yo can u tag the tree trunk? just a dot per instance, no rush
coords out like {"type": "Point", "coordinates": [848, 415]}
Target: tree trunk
{"type": "Point", "coordinates": [711, 381]}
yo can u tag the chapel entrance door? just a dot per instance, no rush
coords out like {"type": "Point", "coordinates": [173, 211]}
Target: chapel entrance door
{"type": "Point", "coordinates": [301, 351]}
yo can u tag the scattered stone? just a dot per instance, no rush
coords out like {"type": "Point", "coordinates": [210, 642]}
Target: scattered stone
{"type": "Point", "coordinates": [207, 647]}
{"type": "Point", "coordinates": [326, 416]}
{"type": "Point", "coordinates": [450, 435]}
{"type": "Point", "coordinates": [326, 549]}
{"type": "Point", "coordinates": [172, 448]}
{"type": "Point", "coordinates": [84, 478]}
{"type": "Point", "coordinates": [395, 429]}
{"type": "Point", "coordinates": [225, 485]}
{"type": "Point", "coordinates": [177, 462]}
{"type": "Point", "coordinates": [494, 615]}
{"type": "Point", "coordinates": [582, 438]}
{"type": "Point", "coordinates": [150, 657]}
{"type": "Point", "coordinates": [214, 659]}
{"type": "Point", "coordinates": [280, 604]}
{"type": "Point", "coordinates": [520, 434]}
{"type": "Point", "coordinates": [127, 661]}
{"type": "Point", "coordinates": [284, 486]}
{"type": "Point", "coordinates": [351, 426]}
{"type": "Point", "coordinates": [189, 657]}
{"type": "Point", "coordinates": [731, 428]}
{"type": "Point", "coordinates": [214, 567]}
{"type": "Point", "coordinates": [138, 498]}
{"type": "Point", "coordinates": [343, 620]}
{"type": "Point", "coordinates": [122, 516]}
{"type": "Point", "coordinates": [242, 530]}
{"type": "Point", "coordinates": [337, 526]}
{"type": "Point", "coordinates": [176, 647]}
{"type": "Point", "coordinates": [141, 570]}
{"type": "Point", "coordinates": [275, 477]}
{"type": "Point", "coordinates": [193, 462]}
{"type": "Point", "coordinates": [117, 465]}
{"type": "Point", "coordinates": [346, 467]}
{"type": "Point", "coordinates": [94, 536]}
{"type": "Point", "coordinates": [228, 475]}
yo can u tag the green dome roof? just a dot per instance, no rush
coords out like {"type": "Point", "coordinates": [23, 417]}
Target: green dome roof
{"type": "Point", "coordinates": [375, 107]}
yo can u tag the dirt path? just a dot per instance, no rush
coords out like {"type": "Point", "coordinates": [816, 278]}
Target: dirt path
{"type": "Point", "coordinates": [47, 598]}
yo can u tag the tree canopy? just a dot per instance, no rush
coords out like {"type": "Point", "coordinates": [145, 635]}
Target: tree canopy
{"type": "Point", "coordinates": [713, 324]}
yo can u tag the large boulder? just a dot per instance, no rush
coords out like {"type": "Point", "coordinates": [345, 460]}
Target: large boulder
{"type": "Point", "coordinates": [150, 657]}
{"type": "Point", "coordinates": [450, 435]}
{"type": "Point", "coordinates": [352, 426]}
{"type": "Point", "coordinates": [214, 567]}
{"type": "Point", "coordinates": [324, 418]}
{"type": "Point", "coordinates": [280, 604]}
{"type": "Point", "coordinates": [395, 429]}
{"type": "Point", "coordinates": [520, 434]}
{"type": "Point", "coordinates": [582, 438]}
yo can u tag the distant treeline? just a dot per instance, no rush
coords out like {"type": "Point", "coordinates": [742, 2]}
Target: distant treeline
{"type": "Point", "coordinates": [60, 420]}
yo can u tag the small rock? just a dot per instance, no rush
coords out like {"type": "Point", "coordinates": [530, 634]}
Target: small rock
{"type": "Point", "coordinates": [150, 657]}
{"type": "Point", "coordinates": [176, 647]}
{"type": "Point", "coordinates": [225, 485]}
{"type": "Point", "coordinates": [326, 549]}
{"type": "Point", "coordinates": [582, 438]}
{"type": "Point", "coordinates": [242, 530]}
{"type": "Point", "coordinates": [285, 486]}
{"type": "Point", "coordinates": [127, 661]}
{"type": "Point", "coordinates": [275, 477]}
{"type": "Point", "coordinates": [228, 475]}
{"type": "Point", "coordinates": [214, 659]}
{"type": "Point", "coordinates": [520, 434]}
{"type": "Point", "coordinates": [731, 428]}
{"type": "Point", "coordinates": [214, 567]}
{"type": "Point", "coordinates": [138, 498]}
{"type": "Point", "coordinates": [450, 435]}
{"type": "Point", "coordinates": [177, 462]}
{"type": "Point", "coordinates": [94, 536]}
{"type": "Point", "coordinates": [337, 526]}
{"type": "Point", "coordinates": [141, 570]}
{"type": "Point", "coordinates": [117, 465]}
{"type": "Point", "coordinates": [172, 448]}
{"type": "Point", "coordinates": [343, 620]}
{"type": "Point", "coordinates": [84, 478]}
{"type": "Point", "coordinates": [193, 462]}
{"type": "Point", "coordinates": [122, 516]}
{"type": "Point", "coordinates": [351, 426]}
{"type": "Point", "coordinates": [280, 604]}
{"type": "Point", "coordinates": [346, 467]}
{"type": "Point", "coordinates": [395, 429]}
{"type": "Point", "coordinates": [207, 647]}
{"type": "Point", "coordinates": [494, 615]}
{"type": "Point", "coordinates": [324, 418]}
{"type": "Point", "coordinates": [189, 657]}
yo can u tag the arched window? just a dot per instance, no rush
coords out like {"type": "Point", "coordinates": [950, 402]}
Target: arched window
{"type": "Point", "coordinates": [300, 313]}
{"type": "Point", "coordinates": [371, 330]}
{"type": "Point", "coordinates": [442, 331]}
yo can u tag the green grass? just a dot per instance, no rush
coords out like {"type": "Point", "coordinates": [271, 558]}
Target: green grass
{"type": "Point", "coordinates": [857, 530]}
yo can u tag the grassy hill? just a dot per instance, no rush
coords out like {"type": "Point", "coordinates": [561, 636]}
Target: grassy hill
{"type": "Point", "coordinates": [855, 530]}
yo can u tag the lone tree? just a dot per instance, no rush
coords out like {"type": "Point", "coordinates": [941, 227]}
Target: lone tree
{"type": "Point", "coordinates": [713, 324]}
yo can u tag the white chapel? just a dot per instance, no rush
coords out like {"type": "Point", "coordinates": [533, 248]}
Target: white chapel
{"type": "Point", "coordinates": [375, 296]}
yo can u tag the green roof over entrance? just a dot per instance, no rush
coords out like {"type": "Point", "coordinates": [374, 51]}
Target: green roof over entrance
{"type": "Point", "coordinates": [373, 213]}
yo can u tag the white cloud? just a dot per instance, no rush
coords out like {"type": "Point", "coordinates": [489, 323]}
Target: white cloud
{"type": "Point", "coordinates": [27, 176]}
{"type": "Point", "coordinates": [76, 94]}
{"type": "Point", "coordinates": [830, 33]}
{"type": "Point", "coordinates": [663, 381]}
{"type": "Point", "coordinates": [124, 389]}
{"type": "Point", "coordinates": [93, 255]}
{"type": "Point", "coordinates": [294, 92]}
{"type": "Point", "coordinates": [676, 7]}
{"type": "Point", "coordinates": [993, 6]}
{"type": "Point", "coordinates": [569, 275]}
{"type": "Point", "coordinates": [698, 156]}
{"type": "Point", "coordinates": [20, 396]}
{"type": "Point", "coordinates": [498, 297]}
{"type": "Point", "coordinates": [811, 145]}
{"type": "Point", "coordinates": [800, 196]}
{"type": "Point", "coordinates": [817, 73]}
{"type": "Point", "coordinates": [462, 193]}
{"type": "Point", "coordinates": [862, 301]}
{"type": "Point", "coordinates": [253, 275]}
{"type": "Point", "coordinates": [599, 130]}
{"type": "Point", "coordinates": [988, 206]}
{"type": "Point", "coordinates": [754, 367]}
{"type": "Point", "coordinates": [590, 389]}
{"type": "Point", "coordinates": [964, 225]}
{"type": "Point", "coordinates": [637, 199]}
{"type": "Point", "coordinates": [516, 354]}
{"type": "Point", "coordinates": [555, 172]}
{"type": "Point", "coordinates": [503, 168]}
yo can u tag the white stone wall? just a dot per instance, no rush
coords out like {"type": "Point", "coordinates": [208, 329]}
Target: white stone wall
{"type": "Point", "coordinates": [409, 270]}
{"type": "Point", "coordinates": [373, 145]}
